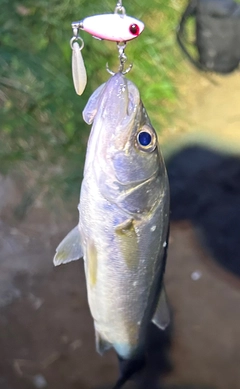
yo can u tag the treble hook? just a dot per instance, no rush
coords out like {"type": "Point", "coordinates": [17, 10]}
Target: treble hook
{"type": "Point", "coordinates": [121, 71]}
{"type": "Point", "coordinates": [122, 57]}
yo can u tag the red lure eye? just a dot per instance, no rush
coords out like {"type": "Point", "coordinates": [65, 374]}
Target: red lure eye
{"type": "Point", "coordinates": [134, 29]}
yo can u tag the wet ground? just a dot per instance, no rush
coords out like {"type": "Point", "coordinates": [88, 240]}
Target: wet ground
{"type": "Point", "coordinates": [46, 332]}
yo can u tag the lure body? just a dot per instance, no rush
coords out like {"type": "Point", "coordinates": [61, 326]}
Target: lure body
{"type": "Point", "coordinates": [112, 27]}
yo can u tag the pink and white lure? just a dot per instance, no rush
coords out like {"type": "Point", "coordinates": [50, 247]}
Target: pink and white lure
{"type": "Point", "coordinates": [112, 27]}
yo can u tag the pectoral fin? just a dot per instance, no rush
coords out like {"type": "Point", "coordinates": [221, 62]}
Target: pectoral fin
{"type": "Point", "coordinates": [69, 249]}
{"type": "Point", "coordinates": [161, 317]}
{"type": "Point", "coordinates": [101, 344]}
{"type": "Point", "coordinates": [128, 243]}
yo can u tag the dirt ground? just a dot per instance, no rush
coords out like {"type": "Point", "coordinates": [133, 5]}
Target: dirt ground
{"type": "Point", "coordinates": [46, 331]}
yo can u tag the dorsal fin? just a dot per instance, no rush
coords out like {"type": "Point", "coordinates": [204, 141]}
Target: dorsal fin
{"type": "Point", "coordinates": [161, 317]}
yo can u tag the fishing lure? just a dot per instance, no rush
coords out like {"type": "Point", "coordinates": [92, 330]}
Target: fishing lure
{"type": "Point", "coordinates": [117, 27]}
{"type": "Point", "coordinates": [112, 27]}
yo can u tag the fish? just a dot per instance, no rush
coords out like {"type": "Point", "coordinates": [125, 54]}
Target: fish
{"type": "Point", "coordinates": [113, 27]}
{"type": "Point", "coordinates": [123, 227]}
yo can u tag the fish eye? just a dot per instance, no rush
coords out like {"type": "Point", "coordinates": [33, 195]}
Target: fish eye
{"type": "Point", "coordinates": [134, 29]}
{"type": "Point", "coordinates": [146, 140]}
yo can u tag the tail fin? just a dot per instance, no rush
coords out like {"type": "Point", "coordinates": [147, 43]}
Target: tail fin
{"type": "Point", "coordinates": [128, 367]}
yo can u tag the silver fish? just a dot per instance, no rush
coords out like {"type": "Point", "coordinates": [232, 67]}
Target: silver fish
{"type": "Point", "coordinates": [123, 222]}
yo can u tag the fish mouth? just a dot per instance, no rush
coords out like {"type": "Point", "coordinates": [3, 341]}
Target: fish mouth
{"type": "Point", "coordinates": [121, 99]}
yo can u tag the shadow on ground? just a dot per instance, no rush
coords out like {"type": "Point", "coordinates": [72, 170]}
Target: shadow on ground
{"type": "Point", "coordinates": [205, 189]}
